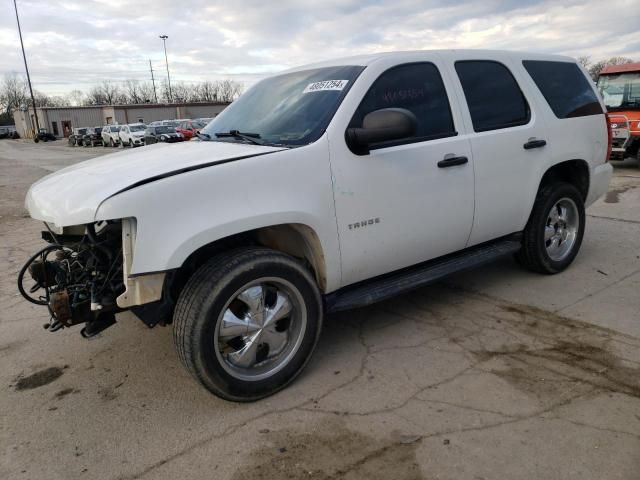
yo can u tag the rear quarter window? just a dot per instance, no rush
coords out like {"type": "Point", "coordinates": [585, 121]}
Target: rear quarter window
{"type": "Point", "coordinates": [565, 88]}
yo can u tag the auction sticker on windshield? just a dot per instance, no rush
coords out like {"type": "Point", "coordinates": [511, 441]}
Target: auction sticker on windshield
{"type": "Point", "coordinates": [326, 85]}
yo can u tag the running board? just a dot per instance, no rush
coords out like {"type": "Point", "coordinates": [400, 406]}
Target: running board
{"type": "Point", "coordinates": [411, 278]}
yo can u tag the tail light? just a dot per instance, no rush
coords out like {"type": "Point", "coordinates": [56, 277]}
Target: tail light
{"type": "Point", "coordinates": [609, 136]}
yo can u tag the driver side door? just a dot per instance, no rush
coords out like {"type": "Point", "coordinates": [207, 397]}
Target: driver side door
{"type": "Point", "coordinates": [403, 203]}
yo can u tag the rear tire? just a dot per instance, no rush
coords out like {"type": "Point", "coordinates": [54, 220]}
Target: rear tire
{"type": "Point", "coordinates": [553, 235]}
{"type": "Point", "coordinates": [247, 322]}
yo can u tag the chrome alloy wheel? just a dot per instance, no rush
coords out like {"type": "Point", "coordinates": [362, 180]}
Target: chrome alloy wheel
{"type": "Point", "coordinates": [561, 229]}
{"type": "Point", "coordinates": [260, 329]}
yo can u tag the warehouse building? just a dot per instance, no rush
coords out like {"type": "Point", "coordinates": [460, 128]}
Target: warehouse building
{"type": "Point", "coordinates": [62, 120]}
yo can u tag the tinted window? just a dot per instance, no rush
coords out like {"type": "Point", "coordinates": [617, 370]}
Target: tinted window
{"type": "Point", "coordinates": [493, 95]}
{"type": "Point", "coordinates": [417, 87]}
{"type": "Point", "coordinates": [564, 87]}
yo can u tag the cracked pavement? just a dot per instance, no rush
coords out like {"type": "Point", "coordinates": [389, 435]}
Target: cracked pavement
{"type": "Point", "coordinates": [496, 373]}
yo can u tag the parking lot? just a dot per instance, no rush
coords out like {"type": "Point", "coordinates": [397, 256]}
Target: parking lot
{"type": "Point", "coordinates": [497, 373]}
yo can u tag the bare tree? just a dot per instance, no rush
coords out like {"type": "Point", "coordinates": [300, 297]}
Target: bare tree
{"type": "Point", "coordinates": [132, 91]}
{"type": "Point", "coordinates": [76, 98]}
{"type": "Point", "coordinates": [112, 93]}
{"type": "Point", "coordinates": [13, 93]}
{"type": "Point", "coordinates": [145, 90]}
{"type": "Point", "coordinates": [229, 90]}
{"type": "Point", "coordinates": [585, 61]}
{"type": "Point", "coordinates": [95, 96]}
{"type": "Point", "coordinates": [207, 91]}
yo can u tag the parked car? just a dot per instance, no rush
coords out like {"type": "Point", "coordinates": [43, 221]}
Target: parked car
{"type": "Point", "coordinates": [92, 137]}
{"type": "Point", "coordinates": [161, 133]}
{"type": "Point", "coordinates": [374, 175]}
{"type": "Point", "coordinates": [132, 135]}
{"type": "Point", "coordinates": [189, 128]}
{"type": "Point", "coordinates": [44, 135]}
{"type": "Point", "coordinates": [110, 135]}
{"type": "Point", "coordinates": [8, 132]}
{"type": "Point", "coordinates": [76, 137]}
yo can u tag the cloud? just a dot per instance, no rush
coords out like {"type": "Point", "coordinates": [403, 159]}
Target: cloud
{"type": "Point", "coordinates": [78, 43]}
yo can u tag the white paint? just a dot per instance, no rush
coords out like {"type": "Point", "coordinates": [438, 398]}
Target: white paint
{"type": "Point", "coordinates": [423, 211]}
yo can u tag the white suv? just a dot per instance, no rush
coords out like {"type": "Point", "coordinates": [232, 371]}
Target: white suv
{"type": "Point", "coordinates": [327, 187]}
{"type": "Point", "coordinates": [132, 134]}
{"type": "Point", "coordinates": [110, 135]}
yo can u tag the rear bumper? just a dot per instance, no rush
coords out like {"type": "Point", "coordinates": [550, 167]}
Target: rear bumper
{"type": "Point", "coordinates": [600, 178]}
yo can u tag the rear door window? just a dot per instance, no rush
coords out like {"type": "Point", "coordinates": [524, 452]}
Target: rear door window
{"type": "Point", "coordinates": [564, 87]}
{"type": "Point", "coordinates": [494, 97]}
{"type": "Point", "coordinates": [417, 87]}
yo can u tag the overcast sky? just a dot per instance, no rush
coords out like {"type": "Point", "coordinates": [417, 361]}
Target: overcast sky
{"type": "Point", "coordinates": [78, 43]}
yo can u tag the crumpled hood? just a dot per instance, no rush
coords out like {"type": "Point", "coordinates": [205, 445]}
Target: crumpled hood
{"type": "Point", "coordinates": [71, 196]}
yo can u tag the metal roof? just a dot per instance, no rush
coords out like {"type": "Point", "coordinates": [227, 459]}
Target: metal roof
{"type": "Point", "coordinates": [625, 67]}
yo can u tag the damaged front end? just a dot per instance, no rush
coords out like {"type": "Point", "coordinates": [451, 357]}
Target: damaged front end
{"type": "Point", "coordinates": [82, 276]}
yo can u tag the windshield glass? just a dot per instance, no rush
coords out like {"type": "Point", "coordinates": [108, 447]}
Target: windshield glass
{"type": "Point", "coordinates": [137, 128]}
{"type": "Point", "coordinates": [115, 129]}
{"type": "Point", "coordinates": [165, 129]}
{"type": "Point", "coordinates": [290, 109]}
{"type": "Point", "coordinates": [620, 90]}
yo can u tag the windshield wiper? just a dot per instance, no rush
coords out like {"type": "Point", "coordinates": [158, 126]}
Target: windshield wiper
{"type": "Point", "coordinates": [250, 137]}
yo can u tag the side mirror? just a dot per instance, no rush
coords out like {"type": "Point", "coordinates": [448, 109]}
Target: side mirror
{"type": "Point", "coordinates": [380, 126]}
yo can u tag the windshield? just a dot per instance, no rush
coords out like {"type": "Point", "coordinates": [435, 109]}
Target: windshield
{"type": "Point", "coordinates": [290, 109]}
{"type": "Point", "coordinates": [115, 129]}
{"type": "Point", "coordinates": [620, 91]}
{"type": "Point", "coordinates": [165, 129]}
{"type": "Point", "coordinates": [137, 128]}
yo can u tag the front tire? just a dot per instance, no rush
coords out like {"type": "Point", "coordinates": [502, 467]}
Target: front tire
{"type": "Point", "coordinates": [247, 322]}
{"type": "Point", "coordinates": [553, 235]}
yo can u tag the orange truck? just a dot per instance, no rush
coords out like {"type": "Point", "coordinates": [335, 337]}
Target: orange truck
{"type": "Point", "coordinates": [619, 86]}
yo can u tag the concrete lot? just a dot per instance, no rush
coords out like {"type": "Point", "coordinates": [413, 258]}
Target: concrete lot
{"type": "Point", "coordinates": [494, 374]}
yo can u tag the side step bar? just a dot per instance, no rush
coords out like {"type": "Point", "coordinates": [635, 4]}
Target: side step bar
{"type": "Point", "coordinates": [411, 278]}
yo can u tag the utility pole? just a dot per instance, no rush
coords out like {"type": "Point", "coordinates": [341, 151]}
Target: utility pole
{"type": "Point", "coordinates": [164, 41]}
{"type": "Point", "coordinates": [155, 95]}
{"type": "Point", "coordinates": [24, 56]}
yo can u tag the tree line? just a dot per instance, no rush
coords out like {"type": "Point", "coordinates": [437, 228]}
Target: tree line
{"type": "Point", "coordinates": [14, 94]}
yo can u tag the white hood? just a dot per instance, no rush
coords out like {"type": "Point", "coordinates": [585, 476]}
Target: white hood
{"type": "Point", "coordinates": [71, 196]}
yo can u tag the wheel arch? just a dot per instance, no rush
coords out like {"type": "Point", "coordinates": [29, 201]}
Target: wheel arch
{"type": "Point", "coordinates": [575, 171]}
{"type": "Point", "coordinates": [295, 239]}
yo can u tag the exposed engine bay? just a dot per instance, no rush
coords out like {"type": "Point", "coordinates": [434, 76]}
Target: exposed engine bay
{"type": "Point", "coordinates": [78, 276]}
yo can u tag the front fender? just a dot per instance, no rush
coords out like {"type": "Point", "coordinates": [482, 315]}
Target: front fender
{"type": "Point", "coordinates": [177, 215]}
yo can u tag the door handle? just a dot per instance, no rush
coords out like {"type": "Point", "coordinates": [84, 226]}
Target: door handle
{"type": "Point", "coordinates": [452, 162]}
{"type": "Point", "coordinates": [534, 143]}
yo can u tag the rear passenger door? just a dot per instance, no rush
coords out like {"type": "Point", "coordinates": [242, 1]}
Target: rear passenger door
{"type": "Point", "coordinates": [405, 201]}
{"type": "Point", "coordinates": [508, 140]}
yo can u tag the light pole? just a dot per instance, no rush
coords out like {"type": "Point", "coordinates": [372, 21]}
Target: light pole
{"type": "Point", "coordinates": [164, 42]}
{"type": "Point", "coordinates": [26, 68]}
